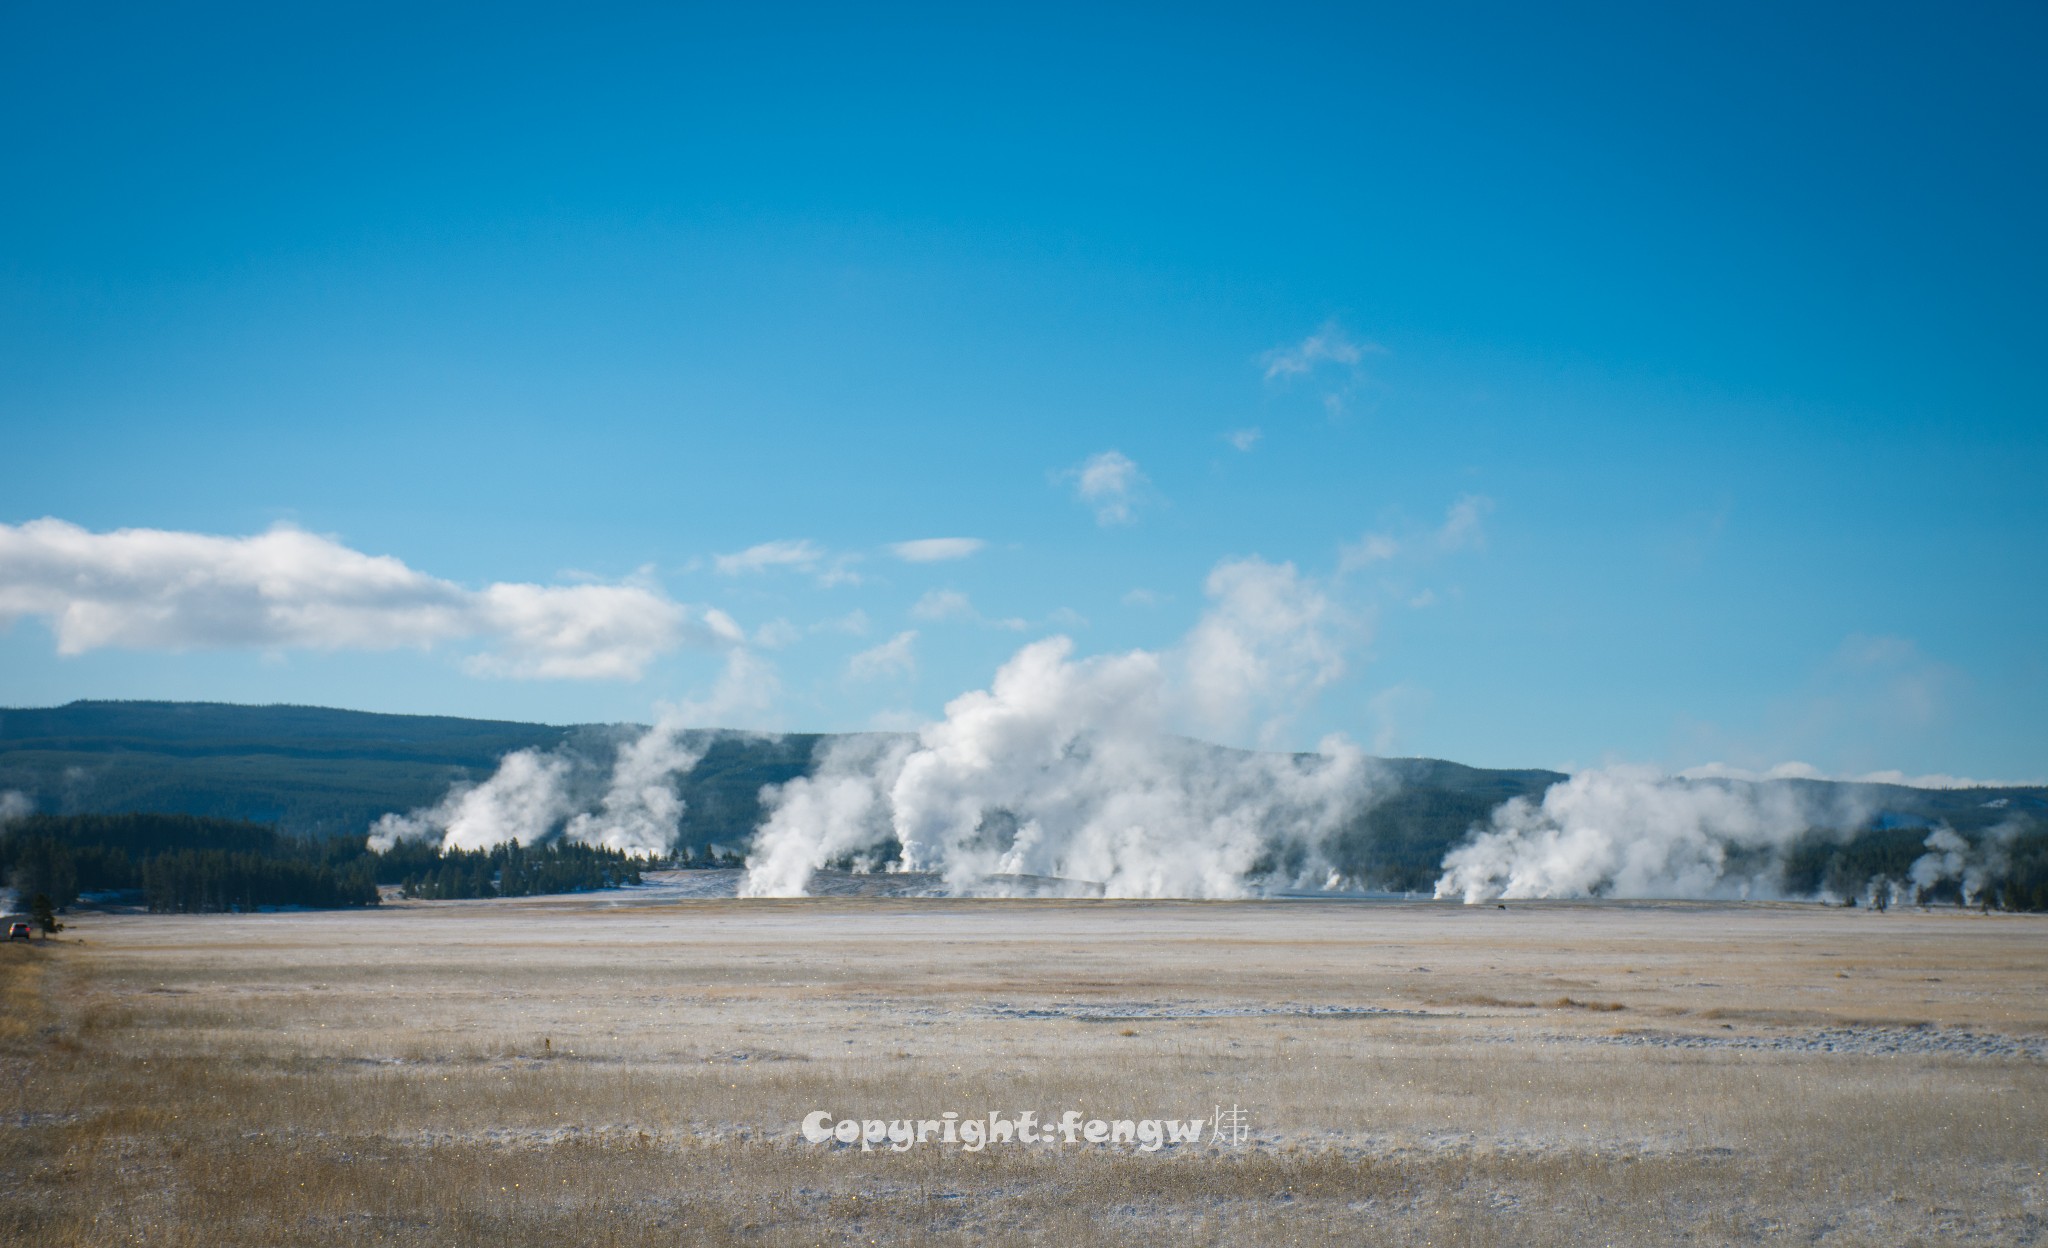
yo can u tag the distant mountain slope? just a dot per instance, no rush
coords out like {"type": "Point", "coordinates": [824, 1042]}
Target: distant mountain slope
{"type": "Point", "coordinates": [214, 728]}
{"type": "Point", "coordinates": [316, 771]}
{"type": "Point", "coordinates": [312, 770]}
{"type": "Point", "coordinates": [319, 772]}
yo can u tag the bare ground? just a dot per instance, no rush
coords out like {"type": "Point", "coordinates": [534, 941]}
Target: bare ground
{"type": "Point", "coordinates": [578, 1071]}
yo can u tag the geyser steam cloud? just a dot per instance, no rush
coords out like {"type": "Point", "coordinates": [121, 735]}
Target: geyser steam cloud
{"type": "Point", "coordinates": [1070, 768]}
{"type": "Point", "coordinates": [533, 791]}
{"type": "Point", "coordinates": [1634, 832]}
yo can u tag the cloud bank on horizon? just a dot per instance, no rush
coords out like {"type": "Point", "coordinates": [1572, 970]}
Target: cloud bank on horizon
{"type": "Point", "coordinates": [154, 589]}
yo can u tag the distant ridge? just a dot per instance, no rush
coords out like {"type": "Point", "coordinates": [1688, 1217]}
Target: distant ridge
{"type": "Point", "coordinates": [320, 771]}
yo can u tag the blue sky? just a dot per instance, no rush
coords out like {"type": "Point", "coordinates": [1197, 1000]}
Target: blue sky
{"type": "Point", "coordinates": [1660, 387]}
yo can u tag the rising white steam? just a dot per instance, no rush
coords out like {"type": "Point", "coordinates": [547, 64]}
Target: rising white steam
{"type": "Point", "coordinates": [1071, 768]}
{"type": "Point", "coordinates": [522, 801]}
{"type": "Point", "coordinates": [15, 804]}
{"type": "Point", "coordinates": [1634, 832]}
{"type": "Point", "coordinates": [633, 806]}
{"type": "Point", "coordinates": [838, 812]}
{"type": "Point", "coordinates": [1972, 868]}
{"type": "Point", "coordinates": [641, 808]}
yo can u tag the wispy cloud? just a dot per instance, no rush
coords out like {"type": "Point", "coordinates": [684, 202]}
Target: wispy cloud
{"type": "Point", "coordinates": [943, 604]}
{"type": "Point", "coordinates": [777, 634]}
{"type": "Point", "coordinates": [1369, 549]}
{"type": "Point", "coordinates": [894, 657]}
{"type": "Point", "coordinates": [797, 554]}
{"type": "Point", "coordinates": [1108, 482]}
{"type": "Point", "coordinates": [792, 555]}
{"type": "Point", "coordinates": [1807, 771]}
{"type": "Point", "coordinates": [724, 627]}
{"type": "Point", "coordinates": [1328, 345]}
{"type": "Point", "coordinates": [937, 549]}
{"type": "Point", "coordinates": [743, 697]}
{"type": "Point", "coordinates": [1463, 528]}
{"type": "Point", "coordinates": [854, 624]}
{"type": "Point", "coordinates": [154, 589]}
{"type": "Point", "coordinates": [842, 571]}
{"type": "Point", "coordinates": [951, 604]}
{"type": "Point", "coordinates": [1244, 439]}
{"type": "Point", "coordinates": [1330, 358]}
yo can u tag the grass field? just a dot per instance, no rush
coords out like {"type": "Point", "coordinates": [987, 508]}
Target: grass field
{"type": "Point", "coordinates": [577, 1071]}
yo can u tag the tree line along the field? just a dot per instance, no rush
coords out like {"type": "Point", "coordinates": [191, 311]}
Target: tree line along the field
{"type": "Point", "coordinates": [191, 864]}
{"type": "Point", "coordinates": [187, 864]}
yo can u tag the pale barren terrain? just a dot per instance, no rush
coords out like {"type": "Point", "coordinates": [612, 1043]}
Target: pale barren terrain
{"type": "Point", "coordinates": [601, 1070]}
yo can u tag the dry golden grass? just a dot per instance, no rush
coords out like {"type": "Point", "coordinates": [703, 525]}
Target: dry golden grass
{"type": "Point", "coordinates": [570, 1072]}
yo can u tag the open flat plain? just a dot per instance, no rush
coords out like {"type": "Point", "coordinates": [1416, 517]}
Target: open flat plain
{"type": "Point", "coordinates": [633, 1069]}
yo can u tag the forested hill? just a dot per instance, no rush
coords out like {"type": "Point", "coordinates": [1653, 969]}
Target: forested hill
{"type": "Point", "coordinates": [311, 770]}
{"type": "Point", "coordinates": [315, 772]}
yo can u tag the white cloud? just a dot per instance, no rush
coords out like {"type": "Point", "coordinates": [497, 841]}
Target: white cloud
{"type": "Point", "coordinates": [801, 555]}
{"type": "Point", "coordinates": [1464, 528]}
{"type": "Point", "coordinates": [1108, 482]}
{"type": "Point", "coordinates": [1329, 359]}
{"type": "Point", "coordinates": [1464, 525]}
{"type": "Point", "coordinates": [943, 604]}
{"type": "Point", "coordinates": [153, 589]}
{"type": "Point", "coordinates": [743, 697]}
{"type": "Point", "coordinates": [777, 634]}
{"type": "Point", "coordinates": [1940, 780]}
{"type": "Point", "coordinates": [1782, 771]}
{"type": "Point", "coordinates": [1244, 439]}
{"type": "Point", "coordinates": [841, 572]}
{"type": "Point", "coordinates": [724, 627]}
{"type": "Point", "coordinates": [791, 555]}
{"type": "Point", "coordinates": [894, 657]}
{"type": "Point", "coordinates": [937, 549]}
{"type": "Point", "coordinates": [1807, 771]}
{"type": "Point", "coordinates": [576, 632]}
{"type": "Point", "coordinates": [951, 604]}
{"type": "Point", "coordinates": [1366, 551]}
{"type": "Point", "coordinates": [854, 624]}
{"type": "Point", "coordinates": [1328, 345]}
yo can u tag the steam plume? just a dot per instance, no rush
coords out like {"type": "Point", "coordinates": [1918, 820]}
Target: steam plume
{"type": "Point", "coordinates": [1070, 768]}
{"type": "Point", "coordinates": [1633, 832]}
{"type": "Point", "coordinates": [15, 804]}
{"type": "Point", "coordinates": [533, 792]}
{"type": "Point", "coordinates": [641, 808]}
{"type": "Point", "coordinates": [522, 801]}
{"type": "Point", "coordinates": [1973, 868]}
